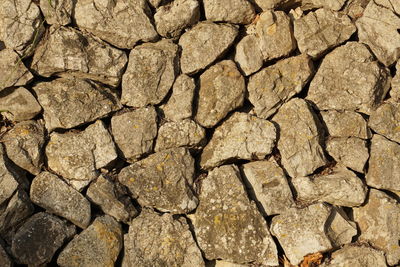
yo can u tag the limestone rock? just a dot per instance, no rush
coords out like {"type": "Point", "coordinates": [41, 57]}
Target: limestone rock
{"type": "Point", "coordinates": [155, 3]}
{"type": "Point", "coordinates": [274, 4]}
{"type": "Point", "coordinates": [4, 258]}
{"type": "Point", "coordinates": [339, 228]}
{"type": "Point", "coordinates": [274, 85]}
{"type": "Point", "coordinates": [8, 179]}
{"type": "Point", "coordinates": [220, 263]}
{"type": "Point", "coordinates": [163, 181]}
{"type": "Point", "coordinates": [248, 54]}
{"type": "Point", "coordinates": [233, 11]}
{"type": "Point", "coordinates": [227, 224]}
{"type": "Point", "coordinates": [203, 44]}
{"type": "Point", "coordinates": [14, 72]}
{"type": "Point", "coordinates": [330, 4]}
{"type": "Point", "coordinates": [385, 120]}
{"type": "Point", "coordinates": [57, 12]}
{"type": "Point", "coordinates": [356, 256]}
{"type": "Point", "coordinates": [345, 124]}
{"type": "Point", "coordinates": [222, 90]}
{"type": "Point", "coordinates": [242, 136]}
{"type": "Point", "coordinates": [355, 8]}
{"type": "Point", "coordinates": [150, 73]}
{"type": "Point", "coordinates": [167, 241]}
{"type": "Point", "coordinates": [349, 92]}
{"type": "Point", "coordinates": [395, 91]}
{"type": "Point", "coordinates": [18, 104]}
{"type": "Point", "coordinates": [51, 193]}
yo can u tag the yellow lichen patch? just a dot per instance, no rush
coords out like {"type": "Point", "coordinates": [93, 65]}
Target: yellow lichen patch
{"type": "Point", "coordinates": [132, 180]}
{"type": "Point", "coordinates": [160, 167]}
{"type": "Point", "coordinates": [218, 219]}
{"type": "Point", "coordinates": [271, 30]}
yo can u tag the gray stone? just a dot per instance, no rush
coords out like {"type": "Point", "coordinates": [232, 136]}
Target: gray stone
{"type": "Point", "coordinates": [67, 52]}
{"type": "Point", "coordinates": [134, 132]}
{"type": "Point", "coordinates": [77, 156]}
{"type": "Point", "coordinates": [274, 4]}
{"type": "Point", "coordinates": [330, 4]}
{"type": "Point", "coordinates": [8, 179]}
{"type": "Point", "coordinates": [222, 89]}
{"type": "Point", "coordinates": [203, 44]}
{"type": "Point", "coordinates": [150, 73]}
{"type": "Point", "coordinates": [349, 92]}
{"type": "Point", "coordinates": [118, 22]}
{"type": "Point", "coordinates": [18, 104]}
{"type": "Point", "coordinates": [355, 8]}
{"type": "Point", "coordinates": [385, 120]}
{"type": "Point", "coordinates": [271, 87]}
{"type": "Point", "coordinates": [345, 124]}
{"type": "Point", "coordinates": [248, 54]}
{"type": "Point", "coordinates": [233, 11]}
{"type": "Point", "coordinates": [98, 245]}
{"type": "Point", "coordinates": [242, 136]}
{"type": "Point", "coordinates": [14, 72]}
{"type": "Point", "coordinates": [51, 193]}
{"type": "Point", "coordinates": [57, 12]}
{"type": "Point", "coordinates": [356, 256]}
{"type": "Point", "coordinates": [5, 260]}
{"type": "Point", "coordinates": [228, 225]}
{"type": "Point", "coordinates": [166, 241]}
{"type": "Point", "coordinates": [339, 228]}
{"type": "Point", "coordinates": [61, 108]}
{"type": "Point", "coordinates": [163, 180]}
{"type": "Point", "coordinates": [395, 91]}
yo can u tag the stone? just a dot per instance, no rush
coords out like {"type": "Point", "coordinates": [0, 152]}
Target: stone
{"type": "Point", "coordinates": [185, 133]}
{"type": "Point", "coordinates": [322, 30]}
{"type": "Point", "coordinates": [51, 193]}
{"type": "Point", "coordinates": [269, 185]}
{"type": "Point", "coordinates": [167, 241]}
{"type": "Point", "coordinates": [228, 225]}
{"type": "Point", "coordinates": [150, 73]}
{"type": "Point", "coordinates": [117, 22]}
{"type": "Point", "coordinates": [37, 240]}
{"type": "Point", "coordinates": [335, 5]}
{"type": "Point", "coordinates": [378, 224]}
{"type": "Point", "coordinates": [248, 54]}
{"type": "Point", "coordinates": [345, 124]}
{"type": "Point", "coordinates": [205, 43]}
{"type": "Point", "coordinates": [18, 104]}
{"type": "Point", "coordinates": [67, 52]}
{"type": "Point", "coordinates": [155, 3]}
{"type": "Point", "coordinates": [5, 260]}
{"type": "Point", "coordinates": [171, 19]}
{"type": "Point", "coordinates": [219, 263]}
{"type": "Point", "coordinates": [8, 179]}
{"type": "Point", "coordinates": [98, 245]}
{"type": "Point", "coordinates": [349, 92]}
{"type": "Point", "coordinates": [273, 86]}
{"type": "Point", "coordinates": [356, 256]}
{"type": "Point", "coordinates": [355, 8]}
{"type": "Point", "coordinates": [274, 4]}
{"type": "Point", "coordinates": [163, 180]}
{"type": "Point", "coordinates": [242, 136]}
{"type": "Point", "coordinates": [377, 28]}
{"type": "Point", "coordinates": [134, 132]}
{"type": "Point", "coordinates": [340, 229]}
{"type": "Point", "coordinates": [77, 156]}
{"type": "Point", "coordinates": [24, 145]}
{"type": "Point", "coordinates": [14, 72]}
{"type": "Point", "coordinates": [395, 91]}
{"type": "Point", "coordinates": [222, 89]}
{"type": "Point", "coordinates": [236, 11]}
{"type": "Point", "coordinates": [385, 120]}
{"type": "Point", "coordinates": [61, 108]}
{"type": "Point", "coordinates": [57, 12]}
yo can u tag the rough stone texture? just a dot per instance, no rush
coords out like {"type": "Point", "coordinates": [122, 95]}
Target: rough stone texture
{"type": "Point", "coordinates": [203, 44]}
{"type": "Point", "coordinates": [378, 222]}
{"type": "Point", "coordinates": [5, 260]}
{"type": "Point", "coordinates": [274, 4]}
{"type": "Point", "coordinates": [248, 55]}
{"type": "Point", "coordinates": [227, 225]}
{"type": "Point", "coordinates": [349, 92]}
{"type": "Point", "coordinates": [118, 22]}
{"type": "Point", "coordinates": [39, 237]}
{"type": "Point", "coordinates": [67, 52]}
{"type": "Point", "coordinates": [219, 263]}
{"type": "Point", "coordinates": [8, 179]}
{"type": "Point", "coordinates": [77, 156]}
{"type": "Point", "coordinates": [345, 124]}
{"type": "Point", "coordinates": [167, 241]}
{"type": "Point", "coordinates": [356, 256]}
{"type": "Point", "coordinates": [61, 108]}
{"type": "Point", "coordinates": [242, 136]}
{"type": "Point", "coordinates": [155, 3]}
{"type": "Point", "coordinates": [330, 4]}
{"type": "Point", "coordinates": [98, 245]}
{"type": "Point", "coordinates": [299, 141]}
{"type": "Point", "coordinates": [150, 73]}
{"type": "Point", "coordinates": [172, 18]}
{"type": "Point", "coordinates": [18, 104]}
{"type": "Point", "coordinates": [14, 72]}
{"type": "Point", "coordinates": [134, 132]}
{"type": "Point", "coordinates": [276, 84]}
{"type": "Point", "coordinates": [385, 120]}
{"type": "Point", "coordinates": [57, 12]}
{"type": "Point", "coordinates": [233, 11]}
{"type": "Point", "coordinates": [355, 8]}
{"type": "Point", "coordinates": [222, 89]}
{"type": "Point", "coordinates": [339, 228]}
{"type": "Point", "coordinates": [395, 91]}
{"type": "Point", "coordinates": [51, 193]}
{"type": "Point", "coordinates": [163, 181]}
{"type": "Point", "coordinates": [269, 185]}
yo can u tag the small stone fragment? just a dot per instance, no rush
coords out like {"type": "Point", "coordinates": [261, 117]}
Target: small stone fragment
{"type": "Point", "coordinates": [355, 8]}
{"type": "Point", "coordinates": [330, 4]}
{"type": "Point", "coordinates": [385, 120]}
{"type": "Point", "coordinates": [345, 124]}
{"type": "Point", "coordinates": [18, 104]}
{"type": "Point", "coordinates": [14, 72]}
{"type": "Point", "coordinates": [5, 260]}
{"type": "Point", "coordinates": [8, 179]}
{"type": "Point", "coordinates": [242, 136]}
{"type": "Point", "coordinates": [248, 54]}
{"type": "Point", "coordinates": [57, 12]}
{"type": "Point", "coordinates": [233, 11]}
{"type": "Point", "coordinates": [356, 256]}
{"type": "Point", "coordinates": [340, 229]}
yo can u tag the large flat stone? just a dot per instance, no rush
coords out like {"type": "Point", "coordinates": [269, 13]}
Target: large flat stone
{"type": "Point", "coordinates": [356, 256]}
{"type": "Point", "coordinates": [345, 124]}
{"type": "Point", "coordinates": [18, 104]}
{"type": "Point", "coordinates": [233, 11]}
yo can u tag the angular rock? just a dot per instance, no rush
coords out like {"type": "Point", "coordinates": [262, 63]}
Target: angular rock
{"type": "Point", "coordinates": [119, 22]}
{"type": "Point", "coordinates": [39, 238]}
{"type": "Point", "coordinates": [14, 72]}
{"type": "Point", "coordinates": [167, 241]}
{"type": "Point", "coordinates": [134, 132]}
{"type": "Point", "coordinates": [385, 120]}
{"type": "Point", "coordinates": [61, 108]}
{"type": "Point", "coordinates": [5, 260]}
{"type": "Point", "coordinates": [331, 4]}
{"type": "Point", "coordinates": [57, 12]}
{"type": "Point", "coordinates": [163, 180]}
{"type": "Point", "coordinates": [8, 179]}
{"type": "Point", "coordinates": [18, 104]}
{"type": "Point", "coordinates": [395, 91]}
{"type": "Point", "coordinates": [233, 11]}
{"type": "Point", "coordinates": [98, 245]}
{"type": "Point", "coordinates": [172, 18]}
{"type": "Point", "coordinates": [276, 84]}
{"type": "Point", "coordinates": [222, 89]}
{"type": "Point", "coordinates": [242, 136]}
{"type": "Point", "coordinates": [248, 55]}
{"type": "Point", "coordinates": [356, 256]}
{"type": "Point", "coordinates": [77, 156]}
{"type": "Point", "coordinates": [227, 224]}
{"type": "Point", "coordinates": [339, 228]}
{"type": "Point", "coordinates": [51, 193]}
{"type": "Point", "coordinates": [345, 124]}
{"type": "Point", "coordinates": [155, 3]}
{"type": "Point", "coordinates": [67, 52]}
{"type": "Point", "coordinates": [219, 263]}
{"type": "Point", "coordinates": [150, 73]}
{"type": "Point", "coordinates": [274, 4]}
{"type": "Point", "coordinates": [203, 44]}
{"type": "Point", "coordinates": [355, 8]}
{"type": "Point", "coordinates": [378, 222]}
{"type": "Point", "coordinates": [349, 92]}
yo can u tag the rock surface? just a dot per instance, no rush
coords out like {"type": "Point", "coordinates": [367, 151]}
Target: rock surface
{"type": "Point", "coordinates": [274, 4]}
{"type": "Point", "coordinates": [385, 120]}
{"type": "Point", "coordinates": [340, 229]}
{"type": "Point", "coordinates": [57, 12]}
{"type": "Point", "coordinates": [356, 256]}
{"type": "Point", "coordinates": [4, 258]}
{"type": "Point", "coordinates": [248, 54]}
{"type": "Point", "coordinates": [8, 177]}
{"type": "Point", "coordinates": [233, 11]}
{"type": "Point", "coordinates": [332, 4]}
{"type": "Point", "coordinates": [345, 124]}
{"type": "Point", "coordinates": [395, 91]}
{"type": "Point", "coordinates": [14, 72]}
{"type": "Point", "coordinates": [18, 104]}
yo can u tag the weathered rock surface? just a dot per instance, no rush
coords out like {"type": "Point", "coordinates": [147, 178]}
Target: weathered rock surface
{"type": "Point", "coordinates": [356, 256]}
{"type": "Point", "coordinates": [155, 3]}
{"type": "Point", "coordinates": [385, 120]}
{"type": "Point", "coordinates": [227, 225]}
{"type": "Point", "coordinates": [274, 85]}
{"type": "Point", "coordinates": [163, 181]}
{"type": "Point", "coordinates": [220, 263]}
{"type": "Point", "coordinates": [57, 12]}
{"type": "Point", "coordinates": [18, 104]}
{"type": "Point", "coordinates": [167, 241]}
{"type": "Point", "coordinates": [233, 11]}
{"type": "Point", "coordinates": [4, 258]}
{"type": "Point", "coordinates": [355, 8]}
{"type": "Point", "coordinates": [331, 4]}
{"type": "Point", "coordinates": [150, 73]}
{"type": "Point", "coordinates": [222, 89]}
{"type": "Point", "coordinates": [273, 4]}
{"type": "Point", "coordinates": [339, 228]}
{"type": "Point", "coordinates": [248, 54]}
{"type": "Point", "coordinates": [395, 91]}
{"type": "Point", "coordinates": [8, 179]}
{"type": "Point", "coordinates": [345, 124]}
{"type": "Point", "coordinates": [51, 193]}
{"type": "Point", "coordinates": [242, 136]}
{"type": "Point", "coordinates": [14, 72]}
